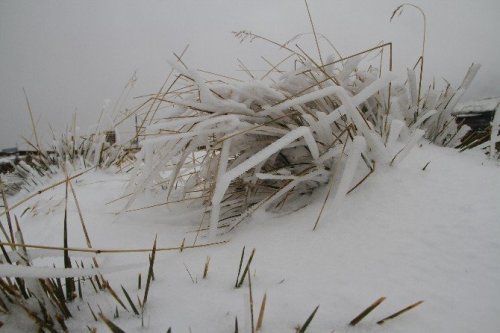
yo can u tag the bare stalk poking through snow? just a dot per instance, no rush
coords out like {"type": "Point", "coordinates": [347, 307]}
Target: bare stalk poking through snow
{"type": "Point", "coordinates": [397, 314]}
{"type": "Point", "coordinates": [366, 311]}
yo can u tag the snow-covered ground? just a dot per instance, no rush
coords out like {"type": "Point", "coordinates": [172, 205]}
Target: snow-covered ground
{"type": "Point", "coordinates": [425, 230]}
{"type": "Point", "coordinates": [406, 234]}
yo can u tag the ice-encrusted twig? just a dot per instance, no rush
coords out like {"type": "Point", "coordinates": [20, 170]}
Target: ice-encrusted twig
{"type": "Point", "coordinates": [224, 181]}
{"type": "Point", "coordinates": [357, 148]}
{"type": "Point", "coordinates": [414, 139]}
{"type": "Point", "coordinates": [395, 130]}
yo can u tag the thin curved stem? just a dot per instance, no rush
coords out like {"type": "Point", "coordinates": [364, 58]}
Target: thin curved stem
{"type": "Point", "coordinates": [399, 10]}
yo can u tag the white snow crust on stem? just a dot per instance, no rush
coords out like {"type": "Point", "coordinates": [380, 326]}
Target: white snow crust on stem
{"type": "Point", "coordinates": [354, 155]}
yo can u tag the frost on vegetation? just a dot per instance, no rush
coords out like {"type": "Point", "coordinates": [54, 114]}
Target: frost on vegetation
{"type": "Point", "coordinates": [234, 147]}
{"type": "Point", "coordinates": [66, 152]}
{"type": "Point", "coordinates": [495, 128]}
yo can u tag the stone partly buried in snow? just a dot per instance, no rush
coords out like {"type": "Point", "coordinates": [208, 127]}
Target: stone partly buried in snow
{"type": "Point", "coordinates": [477, 114]}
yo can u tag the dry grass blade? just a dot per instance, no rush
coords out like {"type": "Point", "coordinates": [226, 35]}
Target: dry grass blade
{"type": "Point", "coordinates": [5, 254]}
{"type": "Point", "coordinates": [239, 268]}
{"type": "Point", "coordinates": [60, 320]}
{"type": "Point", "coordinates": [21, 239]}
{"type": "Point", "coordinates": [397, 314]}
{"type": "Point", "coordinates": [182, 245]}
{"type": "Point", "coordinates": [189, 273]}
{"type": "Point", "coordinates": [80, 294]}
{"type": "Point", "coordinates": [139, 302]}
{"type": "Point", "coordinates": [308, 321]}
{"type": "Point", "coordinates": [3, 306]}
{"type": "Point", "coordinates": [70, 282]}
{"type": "Point", "coordinates": [6, 235]}
{"type": "Point", "coordinates": [370, 172]}
{"type": "Point", "coordinates": [150, 274]}
{"type": "Point", "coordinates": [85, 232]}
{"type": "Point", "coordinates": [275, 67]}
{"type": "Point", "coordinates": [8, 289]}
{"type": "Point", "coordinates": [261, 312]}
{"type": "Point", "coordinates": [247, 267]}
{"type": "Point", "coordinates": [245, 69]}
{"type": "Point", "coordinates": [130, 301]}
{"type": "Point", "coordinates": [119, 198]}
{"type": "Point", "coordinates": [399, 11]}
{"type": "Point", "coordinates": [108, 251]}
{"type": "Point", "coordinates": [98, 282]}
{"type": "Point", "coordinates": [242, 35]}
{"type": "Point", "coordinates": [314, 32]}
{"type": "Point", "coordinates": [366, 311]}
{"type": "Point", "coordinates": [33, 126]}
{"type": "Point", "coordinates": [38, 321]}
{"type": "Point", "coordinates": [220, 75]}
{"type": "Point", "coordinates": [113, 293]}
{"type": "Point", "coordinates": [330, 186]}
{"type": "Point", "coordinates": [47, 318]}
{"type": "Point", "coordinates": [112, 326]}
{"type": "Point", "coordinates": [141, 126]}
{"type": "Point", "coordinates": [153, 272]}
{"type": "Point", "coordinates": [205, 269]}
{"type": "Point", "coordinates": [56, 291]}
{"type": "Point", "coordinates": [251, 301]}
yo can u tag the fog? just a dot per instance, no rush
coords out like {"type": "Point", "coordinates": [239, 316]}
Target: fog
{"type": "Point", "coordinates": [70, 56]}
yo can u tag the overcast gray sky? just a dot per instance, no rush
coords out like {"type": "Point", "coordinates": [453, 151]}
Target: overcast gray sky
{"type": "Point", "coordinates": [72, 55]}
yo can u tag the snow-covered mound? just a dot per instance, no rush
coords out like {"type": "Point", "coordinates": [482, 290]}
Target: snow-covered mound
{"type": "Point", "coordinates": [268, 144]}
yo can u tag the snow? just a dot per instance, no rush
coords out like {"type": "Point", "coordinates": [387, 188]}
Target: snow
{"type": "Point", "coordinates": [406, 234]}
{"type": "Point", "coordinates": [423, 225]}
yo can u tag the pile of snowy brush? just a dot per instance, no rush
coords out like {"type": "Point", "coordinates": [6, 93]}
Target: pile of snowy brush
{"type": "Point", "coordinates": [231, 148]}
{"type": "Point", "coordinates": [68, 149]}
